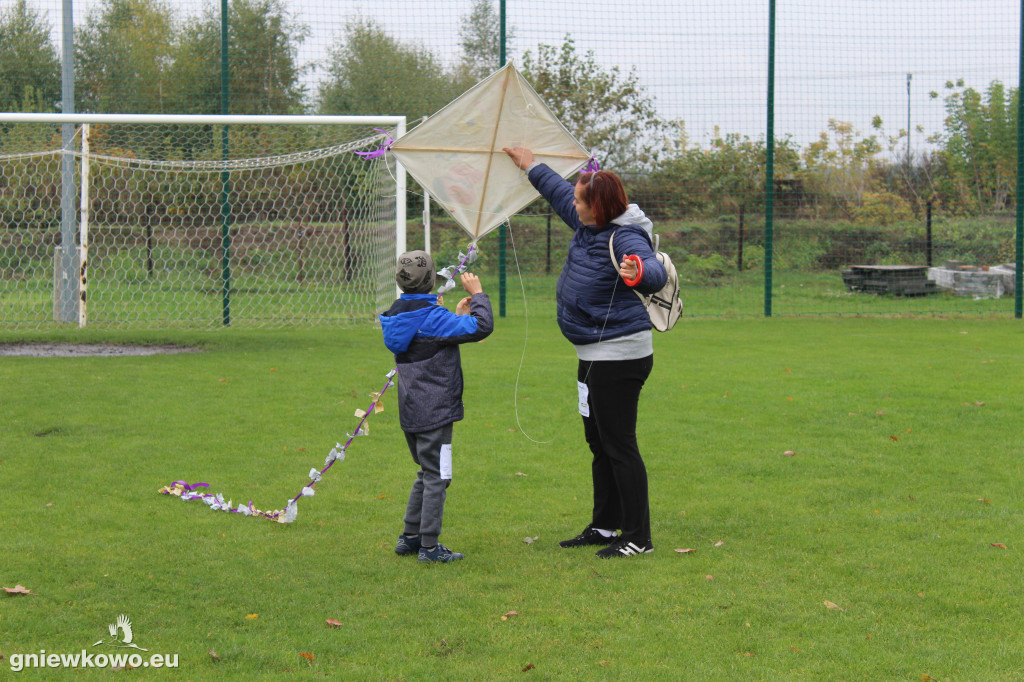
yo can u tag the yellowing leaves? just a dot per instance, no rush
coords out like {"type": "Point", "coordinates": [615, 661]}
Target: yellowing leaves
{"type": "Point", "coordinates": [832, 606]}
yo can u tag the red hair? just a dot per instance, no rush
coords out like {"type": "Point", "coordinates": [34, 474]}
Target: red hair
{"type": "Point", "coordinates": [604, 193]}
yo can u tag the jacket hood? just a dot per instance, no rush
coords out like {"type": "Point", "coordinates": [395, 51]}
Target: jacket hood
{"type": "Point", "coordinates": [635, 216]}
{"type": "Point", "coordinates": [399, 330]}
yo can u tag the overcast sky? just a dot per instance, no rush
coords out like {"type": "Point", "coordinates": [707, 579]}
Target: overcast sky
{"type": "Point", "coordinates": [705, 61]}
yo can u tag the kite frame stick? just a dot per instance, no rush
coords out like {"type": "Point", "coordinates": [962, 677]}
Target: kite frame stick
{"type": "Point", "coordinates": [463, 150]}
{"type": "Point", "coordinates": [490, 157]}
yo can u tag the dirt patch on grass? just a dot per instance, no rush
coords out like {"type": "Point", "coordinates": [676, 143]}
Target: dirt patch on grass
{"type": "Point", "coordinates": [79, 350]}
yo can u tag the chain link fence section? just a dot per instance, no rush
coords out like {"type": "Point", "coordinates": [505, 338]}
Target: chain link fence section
{"type": "Point", "coordinates": [292, 228]}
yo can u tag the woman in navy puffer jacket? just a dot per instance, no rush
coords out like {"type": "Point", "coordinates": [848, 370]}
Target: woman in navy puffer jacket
{"type": "Point", "coordinates": [607, 323]}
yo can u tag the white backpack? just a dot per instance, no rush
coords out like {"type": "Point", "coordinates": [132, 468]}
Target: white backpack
{"type": "Point", "coordinates": [663, 306]}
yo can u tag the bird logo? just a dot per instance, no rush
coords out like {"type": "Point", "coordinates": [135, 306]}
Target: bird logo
{"type": "Point", "coordinates": [121, 634]}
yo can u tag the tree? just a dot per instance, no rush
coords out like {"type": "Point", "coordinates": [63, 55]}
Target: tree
{"type": "Point", "coordinates": [606, 110]}
{"type": "Point", "coordinates": [371, 73]}
{"type": "Point", "coordinates": [122, 54]}
{"type": "Point", "coordinates": [29, 66]}
{"type": "Point", "coordinates": [264, 74]}
{"type": "Point", "coordinates": [480, 39]}
{"type": "Point", "coordinates": [979, 147]}
{"type": "Point", "coordinates": [724, 176]}
{"type": "Point", "coordinates": [840, 164]}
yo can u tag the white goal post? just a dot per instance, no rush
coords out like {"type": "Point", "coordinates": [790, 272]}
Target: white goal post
{"type": "Point", "coordinates": [151, 220]}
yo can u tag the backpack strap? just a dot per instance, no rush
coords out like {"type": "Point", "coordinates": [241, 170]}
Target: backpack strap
{"type": "Point", "coordinates": [611, 249]}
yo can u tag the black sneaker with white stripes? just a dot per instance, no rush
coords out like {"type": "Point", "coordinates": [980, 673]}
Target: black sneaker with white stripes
{"type": "Point", "coordinates": [623, 547]}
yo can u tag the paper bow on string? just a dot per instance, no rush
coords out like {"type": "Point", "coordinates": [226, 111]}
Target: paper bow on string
{"type": "Point", "coordinates": [448, 273]}
{"type": "Point", "coordinates": [382, 150]}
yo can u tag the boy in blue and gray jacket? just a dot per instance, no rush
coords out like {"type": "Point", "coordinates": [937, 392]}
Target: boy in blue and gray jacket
{"type": "Point", "coordinates": [425, 338]}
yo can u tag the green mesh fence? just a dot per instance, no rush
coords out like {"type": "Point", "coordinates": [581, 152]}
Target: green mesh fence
{"type": "Point", "coordinates": [894, 123]}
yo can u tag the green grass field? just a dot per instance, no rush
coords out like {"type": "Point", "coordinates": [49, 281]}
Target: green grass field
{"type": "Point", "coordinates": [902, 506]}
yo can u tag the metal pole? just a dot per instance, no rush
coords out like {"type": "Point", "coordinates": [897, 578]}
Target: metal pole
{"type": "Point", "coordinates": [739, 244]}
{"type": "Point", "coordinates": [547, 254]}
{"type": "Point", "coordinates": [909, 77]}
{"type": "Point", "coordinates": [426, 221]}
{"type": "Point", "coordinates": [769, 171]}
{"type": "Point", "coordinates": [502, 229]}
{"type": "Point", "coordinates": [1018, 296]}
{"type": "Point", "coordinates": [65, 290]}
{"type": "Point", "coordinates": [928, 232]}
{"type": "Point", "coordinates": [225, 176]}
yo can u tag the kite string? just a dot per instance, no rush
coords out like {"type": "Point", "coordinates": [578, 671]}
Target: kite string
{"type": "Point", "coordinates": [526, 337]}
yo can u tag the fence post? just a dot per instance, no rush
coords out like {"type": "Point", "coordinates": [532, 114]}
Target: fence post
{"type": "Point", "coordinates": [769, 170]}
{"type": "Point", "coordinates": [928, 233]}
{"type": "Point", "coordinates": [225, 176]}
{"type": "Point", "coordinates": [83, 229]}
{"type": "Point", "coordinates": [1018, 276]}
{"type": "Point", "coordinates": [547, 257]}
{"type": "Point", "coordinates": [739, 245]}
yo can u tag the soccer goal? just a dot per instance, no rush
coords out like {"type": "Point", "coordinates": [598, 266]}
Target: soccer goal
{"type": "Point", "coordinates": [153, 221]}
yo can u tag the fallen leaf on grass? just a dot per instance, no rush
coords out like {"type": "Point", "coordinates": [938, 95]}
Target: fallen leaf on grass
{"type": "Point", "coordinates": [709, 577]}
{"type": "Point", "coordinates": [529, 666]}
{"type": "Point", "coordinates": [333, 622]}
{"type": "Point", "coordinates": [719, 543]}
{"type": "Point", "coordinates": [509, 615]}
{"type": "Point", "coordinates": [833, 606]}
{"type": "Point", "coordinates": [799, 651]}
{"type": "Point", "coordinates": [750, 655]}
{"type": "Point", "coordinates": [994, 544]}
{"type": "Point", "coordinates": [307, 656]}
{"type": "Point", "coordinates": [983, 500]}
{"type": "Point", "coordinates": [18, 589]}
{"type": "Point", "coordinates": [532, 540]}
{"type": "Point", "coordinates": [789, 453]}
{"type": "Point", "coordinates": [687, 550]}
{"type": "Point", "coordinates": [520, 473]}
{"type": "Point", "coordinates": [252, 616]}
{"type": "Point", "coordinates": [214, 656]}
{"type": "Point", "coordinates": [926, 678]}
{"type": "Point", "coordinates": [893, 438]}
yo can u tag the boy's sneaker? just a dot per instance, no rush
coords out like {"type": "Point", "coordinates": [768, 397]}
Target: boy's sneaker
{"type": "Point", "coordinates": [438, 553]}
{"type": "Point", "coordinates": [621, 548]}
{"type": "Point", "coordinates": [589, 536]}
{"type": "Point", "coordinates": [407, 545]}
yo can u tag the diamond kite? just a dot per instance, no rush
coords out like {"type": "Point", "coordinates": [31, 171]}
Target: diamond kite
{"type": "Point", "coordinates": [456, 154]}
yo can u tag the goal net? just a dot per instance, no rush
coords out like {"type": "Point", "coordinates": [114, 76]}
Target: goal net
{"type": "Point", "coordinates": [188, 221]}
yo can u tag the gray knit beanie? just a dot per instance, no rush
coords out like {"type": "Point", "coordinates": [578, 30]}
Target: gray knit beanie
{"type": "Point", "coordinates": [415, 272]}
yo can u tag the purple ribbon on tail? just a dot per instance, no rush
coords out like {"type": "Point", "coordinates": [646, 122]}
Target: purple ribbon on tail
{"type": "Point", "coordinates": [381, 151]}
{"type": "Point", "coordinates": [190, 488]}
{"type": "Point", "coordinates": [592, 166]}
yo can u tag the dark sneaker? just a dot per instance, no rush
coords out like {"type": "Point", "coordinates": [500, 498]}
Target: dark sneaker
{"type": "Point", "coordinates": [407, 545]}
{"type": "Point", "coordinates": [623, 547]}
{"type": "Point", "coordinates": [589, 536]}
{"type": "Point", "coordinates": [439, 553]}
